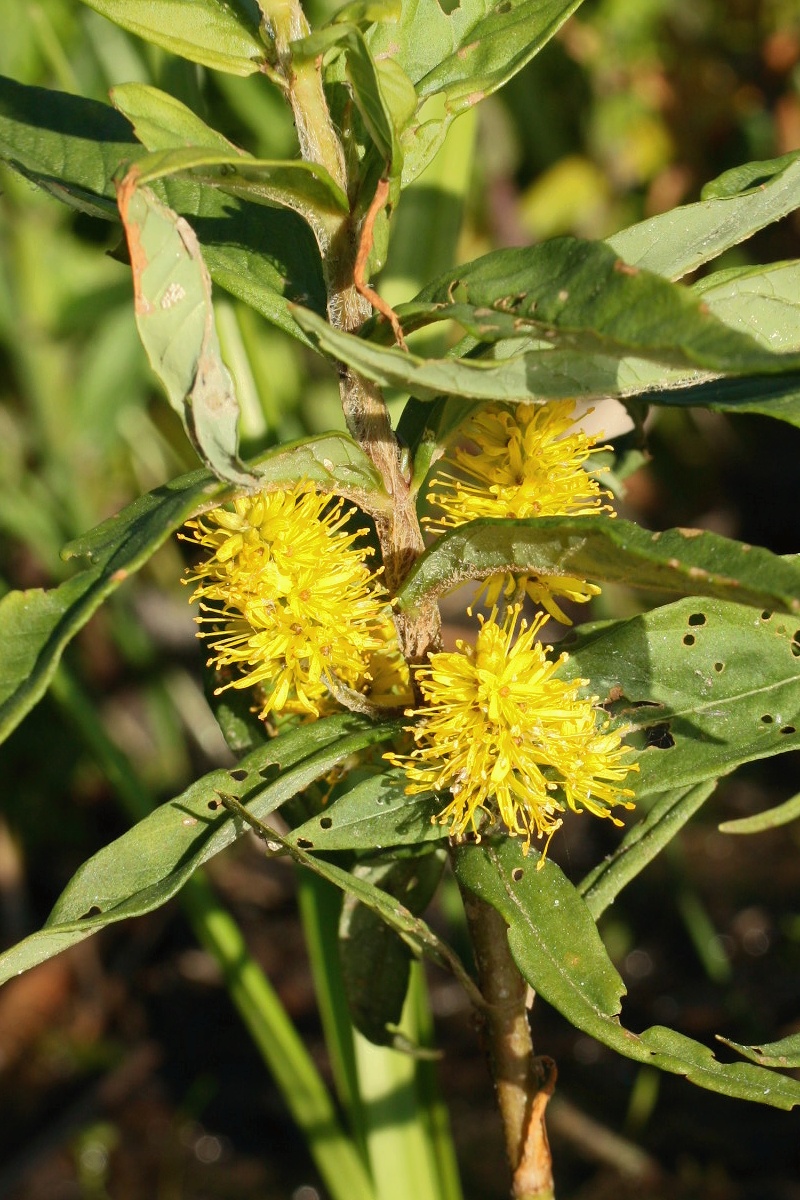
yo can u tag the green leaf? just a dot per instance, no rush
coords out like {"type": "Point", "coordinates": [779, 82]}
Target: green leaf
{"type": "Point", "coordinates": [36, 625]}
{"type": "Point", "coordinates": [214, 33]}
{"type": "Point", "coordinates": [73, 148]}
{"type": "Point", "coordinates": [781, 814]}
{"type": "Point", "coordinates": [681, 240]}
{"type": "Point", "coordinates": [534, 375]}
{"type": "Point", "coordinates": [457, 58]}
{"type": "Point", "coordinates": [558, 949]}
{"type": "Point", "coordinates": [376, 963]}
{"type": "Point", "coordinates": [785, 1053]}
{"type": "Point", "coordinates": [161, 122]}
{"type": "Point", "coordinates": [608, 549]}
{"type": "Point", "coordinates": [582, 295]}
{"type": "Point", "coordinates": [771, 396]}
{"type": "Point", "coordinates": [146, 866]}
{"type": "Point", "coordinates": [666, 816]}
{"type": "Point", "coordinates": [69, 146]}
{"type": "Point", "coordinates": [373, 815]}
{"type": "Point", "coordinates": [305, 187]}
{"type": "Point", "coordinates": [711, 685]}
{"type": "Point", "coordinates": [175, 319]}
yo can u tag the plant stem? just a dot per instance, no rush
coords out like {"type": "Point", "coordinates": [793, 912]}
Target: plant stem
{"type": "Point", "coordinates": [523, 1082]}
{"type": "Point", "coordinates": [339, 240]}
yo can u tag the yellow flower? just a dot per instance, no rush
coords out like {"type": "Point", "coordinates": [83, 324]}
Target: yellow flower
{"type": "Point", "coordinates": [529, 463]}
{"type": "Point", "coordinates": [508, 739]}
{"type": "Point", "coordinates": [287, 599]}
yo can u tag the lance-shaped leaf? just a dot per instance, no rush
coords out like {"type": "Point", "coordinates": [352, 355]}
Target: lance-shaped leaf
{"type": "Point", "coordinates": [36, 625]}
{"type": "Point", "coordinates": [688, 561]}
{"type": "Point", "coordinates": [175, 319]}
{"type": "Point", "coordinates": [781, 814]}
{"type": "Point", "coordinates": [305, 187]}
{"type": "Point", "coordinates": [667, 815]}
{"type": "Point", "coordinates": [556, 945]}
{"type": "Point", "coordinates": [582, 295]}
{"type": "Point", "coordinates": [373, 815]}
{"type": "Point", "coordinates": [146, 866]}
{"type": "Point", "coordinates": [222, 34]}
{"type": "Point", "coordinates": [181, 144]}
{"type": "Point", "coordinates": [536, 375]}
{"type": "Point", "coordinates": [457, 57]}
{"type": "Point", "coordinates": [733, 208]}
{"type": "Point", "coordinates": [73, 148]}
{"type": "Point", "coordinates": [783, 1054]}
{"type": "Point", "coordinates": [69, 146]}
{"type": "Point", "coordinates": [705, 685]}
{"type": "Point", "coordinates": [162, 122]}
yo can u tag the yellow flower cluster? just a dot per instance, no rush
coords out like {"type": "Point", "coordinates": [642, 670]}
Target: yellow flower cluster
{"type": "Point", "coordinates": [528, 462]}
{"type": "Point", "coordinates": [288, 602]}
{"type": "Point", "coordinates": [290, 607]}
{"type": "Point", "coordinates": [507, 738]}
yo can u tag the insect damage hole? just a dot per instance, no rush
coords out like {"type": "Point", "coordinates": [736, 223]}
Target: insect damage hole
{"type": "Point", "coordinates": [659, 737]}
{"type": "Point", "coordinates": [238, 775]}
{"type": "Point", "coordinates": [697, 619]}
{"type": "Point", "coordinates": [517, 874]}
{"type": "Point", "coordinates": [719, 667]}
{"type": "Point", "coordinates": [688, 639]}
{"type": "Point", "coordinates": [767, 719]}
{"type": "Point", "coordinates": [325, 822]}
{"type": "Point", "coordinates": [788, 729]}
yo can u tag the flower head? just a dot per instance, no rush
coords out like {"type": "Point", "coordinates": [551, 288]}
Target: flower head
{"type": "Point", "coordinates": [509, 739]}
{"type": "Point", "coordinates": [288, 601]}
{"type": "Point", "coordinates": [528, 462]}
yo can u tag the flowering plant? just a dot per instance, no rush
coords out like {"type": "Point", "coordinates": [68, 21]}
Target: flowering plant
{"type": "Point", "coordinates": [366, 738]}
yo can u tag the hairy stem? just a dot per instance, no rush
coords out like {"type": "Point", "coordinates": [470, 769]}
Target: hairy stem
{"type": "Point", "coordinates": [523, 1082]}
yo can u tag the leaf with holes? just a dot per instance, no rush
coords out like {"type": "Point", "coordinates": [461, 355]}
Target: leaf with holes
{"type": "Point", "coordinates": [582, 295]}
{"type": "Point", "coordinates": [373, 815]}
{"type": "Point", "coordinates": [609, 550]}
{"type": "Point", "coordinates": [705, 685]}
{"type": "Point", "coordinates": [222, 34]}
{"type": "Point", "coordinates": [556, 945]}
{"type": "Point", "coordinates": [147, 865]}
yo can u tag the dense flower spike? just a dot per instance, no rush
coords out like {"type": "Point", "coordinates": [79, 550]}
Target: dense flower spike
{"type": "Point", "coordinates": [287, 600]}
{"type": "Point", "coordinates": [528, 462]}
{"type": "Point", "coordinates": [508, 739]}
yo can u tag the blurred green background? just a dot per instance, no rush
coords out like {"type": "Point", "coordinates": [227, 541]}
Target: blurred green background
{"type": "Point", "coordinates": [124, 1070]}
